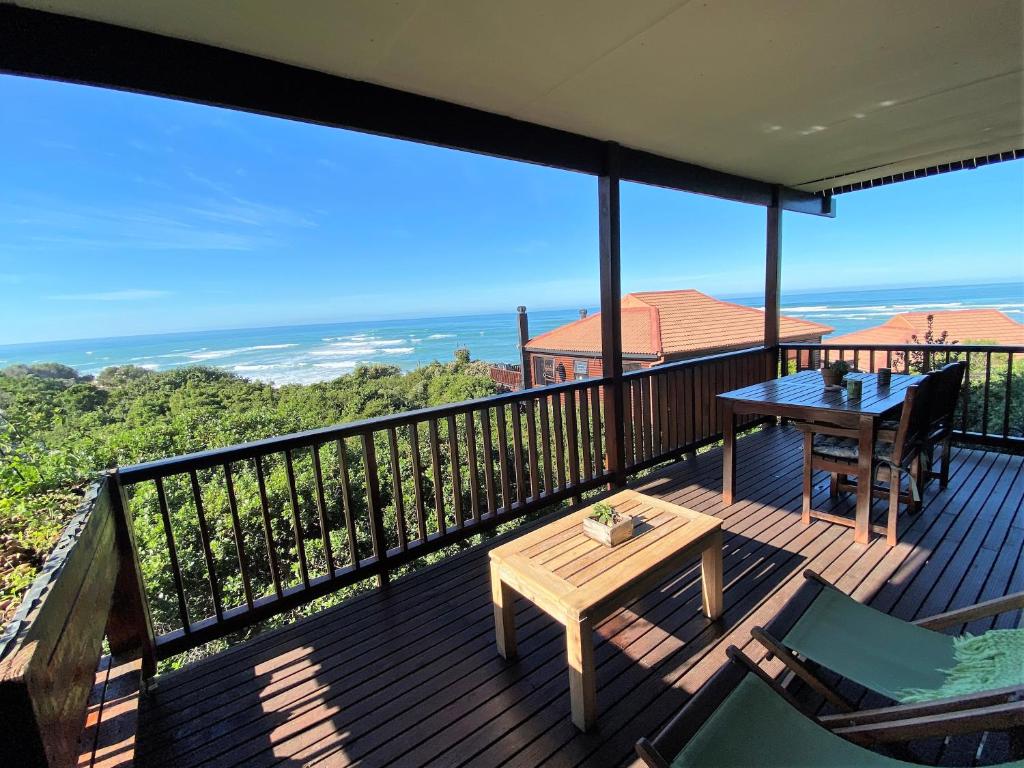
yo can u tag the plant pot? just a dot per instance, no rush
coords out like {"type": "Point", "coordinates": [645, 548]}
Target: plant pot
{"type": "Point", "coordinates": [831, 378]}
{"type": "Point", "coordinates": [609, 535]}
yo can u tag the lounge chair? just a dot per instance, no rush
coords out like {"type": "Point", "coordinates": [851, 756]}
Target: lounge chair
{"type": "Point", "coordinates": [871, 648]}
{"type": "Point", "coordinates": [743, 718]}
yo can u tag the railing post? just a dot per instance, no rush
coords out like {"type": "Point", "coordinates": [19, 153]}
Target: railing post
{"type": "Point", "coordinates": [129, 624]}
{"type": "Point", "coordinates": [611, 319]}
{"type": "Point", "coordinates": [380, 545]}
{"type": "Point", "coordinates": [525, 373]}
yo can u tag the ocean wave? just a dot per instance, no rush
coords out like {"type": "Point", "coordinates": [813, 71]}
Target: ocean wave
{"type": "Point", "coordinates": [370, 343]}
{"type": "Point", "coordinates": [441, 336]}
{"type": "Point", "coordinates": [340, 365]}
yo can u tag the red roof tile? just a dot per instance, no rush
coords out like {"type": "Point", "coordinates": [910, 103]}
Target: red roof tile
{"type": "Point", "coordinates": [963, 325]}
{"type": "Point", "coordinates": [676, 323]}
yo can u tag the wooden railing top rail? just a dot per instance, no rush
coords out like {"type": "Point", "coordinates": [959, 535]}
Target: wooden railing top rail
{"type": "Point", "coordinates": [151, 470]}
{"type": "Point", "coordinates": [692, 362]}
{"type": "Point", "coordinates": [909, 347]}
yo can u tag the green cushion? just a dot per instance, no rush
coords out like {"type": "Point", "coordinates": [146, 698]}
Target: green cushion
{"type": "Point", "coordinates": [755, 726]}
{"type": "Point", "coordinates": [871, 648]}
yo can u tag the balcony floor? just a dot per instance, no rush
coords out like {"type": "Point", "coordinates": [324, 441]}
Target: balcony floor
{"type": "Point", "coordinates": [409, 676]}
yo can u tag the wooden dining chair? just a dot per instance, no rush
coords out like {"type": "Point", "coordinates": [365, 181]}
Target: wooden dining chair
{"type": "Point", "coordinates": [835, 450]}
{"type": "Point", "coordinates": [948, 384]}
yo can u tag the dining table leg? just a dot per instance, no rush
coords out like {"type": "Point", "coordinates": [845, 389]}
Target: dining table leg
{"type": "Point", "coordinates": [865, 479]}
{"type": "Point", "coordinates": [728, 453]}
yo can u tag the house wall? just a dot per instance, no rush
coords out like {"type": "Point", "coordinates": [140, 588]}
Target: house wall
{"type": "Point", "coordinates": [594, 366]}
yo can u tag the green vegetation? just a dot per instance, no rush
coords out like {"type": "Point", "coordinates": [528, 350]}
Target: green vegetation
{"type": "Point", "coordinates": [58, 429]}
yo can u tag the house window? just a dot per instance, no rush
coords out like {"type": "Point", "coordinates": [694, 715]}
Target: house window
{"type": "Point", "coordinates": [579, 369]}
{"type": "Point", "coordinates": [560, 371]}
{"type": "Point", "coordinates": [626, 367]}
{"type": "Point", "coordinates": [549, 370]}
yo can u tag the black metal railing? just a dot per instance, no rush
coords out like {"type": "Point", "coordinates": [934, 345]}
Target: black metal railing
{"type": "Point", "coordinates": [231, 536]}
{"type": "Point", "coordinates": [991, 409]}
{"type": "Point", "coordinates": [251, 530]}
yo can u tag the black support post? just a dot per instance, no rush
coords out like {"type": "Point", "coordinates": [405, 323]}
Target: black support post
{"type": "Point", "coordinates": [611, 313]}
{"type": "Point", "coordinates": [772, 271]}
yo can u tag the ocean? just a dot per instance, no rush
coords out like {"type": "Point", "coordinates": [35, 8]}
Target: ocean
{"type": "Point", "coordinates": [309, 353]}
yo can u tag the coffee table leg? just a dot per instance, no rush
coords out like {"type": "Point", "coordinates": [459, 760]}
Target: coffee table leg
{"type": "Point", "coordinates": [579, 641]}
{"type": "Point", "coordinates": [711, 577]}
{"type": "Point", "coordinates": [504, 599]}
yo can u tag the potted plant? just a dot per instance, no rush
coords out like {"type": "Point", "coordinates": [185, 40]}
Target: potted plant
{"type": "Point", "coordinates": [608, 526]}
{"type": "Point", "coordinates": [833, 373]}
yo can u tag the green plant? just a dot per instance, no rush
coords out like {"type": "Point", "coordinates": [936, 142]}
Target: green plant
{"type": "Point", "coordinates": [839, 367]}
{"type": "Point", "coordinates": [605, 514]}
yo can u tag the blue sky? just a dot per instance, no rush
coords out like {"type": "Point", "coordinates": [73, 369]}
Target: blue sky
{"type": "Point", "coordinates": [123, 214]}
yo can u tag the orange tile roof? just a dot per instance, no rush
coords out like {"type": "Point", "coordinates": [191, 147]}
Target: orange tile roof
{"type": "Point", "coordinates": [675, 323]}
{"type": "Point", "coordinates": [964, 325]}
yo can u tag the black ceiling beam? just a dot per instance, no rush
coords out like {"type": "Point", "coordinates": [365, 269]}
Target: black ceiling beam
{"type": "Point", "coordinates": [54, 46]}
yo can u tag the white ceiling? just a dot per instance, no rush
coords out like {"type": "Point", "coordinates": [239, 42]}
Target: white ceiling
{"type": "Point", "coordinates": [785, 91]}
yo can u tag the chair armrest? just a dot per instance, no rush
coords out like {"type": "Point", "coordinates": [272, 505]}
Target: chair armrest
{"type": "Point", "coordinates": [649, 754]}
{"type": "Point", "coordinates": [971, 612]}
{"type": "Point", "coordinates": [997, 717]}
{"type": "Point", "coordinates": [923, 709]}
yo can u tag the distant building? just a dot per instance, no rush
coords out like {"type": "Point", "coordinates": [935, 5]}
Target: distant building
{"type": "Point", "coordinates": [962, 325]}
{"type": "Point", "coordinates": [657, 327]}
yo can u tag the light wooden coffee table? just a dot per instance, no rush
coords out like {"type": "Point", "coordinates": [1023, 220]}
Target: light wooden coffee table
{"type": "Point", "coordinates": [579, 582]}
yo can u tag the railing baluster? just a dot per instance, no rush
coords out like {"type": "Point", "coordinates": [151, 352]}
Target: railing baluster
{"type": "Point", "coordinates": [321, 510]}
{"type": "Point", "coordinates": [506, 481]}
{"type": "Point", "coordinates": [435, 464]}
{"type": "Point", "coordinates": [985, 388]}
{"type": "Point", "coordinates": [236, 529]}
{"type": "Point", "coordinates": [517, 453]}
{"type": "Point", "coordinates": [204, 538]}
{"type": "Point", "coordinates": [417, 477]}
{"type": "Point", "coordinates": [636, 392]}
{"type": "Point", "coordinates": [300, 545]}
{"type": "Point", "coordinates": [656, 420]}
{"type": "Point", "coordinates": [268, 532]}
{"type": "Point", "coordinates": [373, 507]}
{"type": "Point", "coordinates": [485, 425]}
{"type": "Point", "coordinates": [396, 490]}
{"type": "Point", "coordinates": [556, 409]}
{"type": "Point", "coordinates": [172, 550]}
{"type": "Point", "coordinates": [531, 436]}
{"type": "Point", "coordinates": [474, 481]}
{"type": "Point", "coordinates": [595, 415]}
{"type": "Point", "coordinates": [572, 438]}
{"type": "Point", "coordinates": [1007, 400]}
{"type": "Point", "coordinates": [545, 439]}
{"type": "Point", "coordinates": [967, 393]}
{"type": "Point", "coordinates": [453, 451]}
{"type": "Point", "coordinates": [647, 417]}
{"type": "Point", "coordinates": [584, 422]}
{"type": "Point", "coordinates": [627, 418]}
{"type": "Point", "coordinates": [347, 505]}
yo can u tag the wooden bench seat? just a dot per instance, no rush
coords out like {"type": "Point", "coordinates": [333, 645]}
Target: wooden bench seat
{"type": "Point", "coordinates": [111, 720]}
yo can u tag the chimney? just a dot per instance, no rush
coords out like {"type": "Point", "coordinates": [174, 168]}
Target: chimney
{"type": "Point", "coordinates": [583, 313]}
{"type": "Point", "coordinates": [524, 356]}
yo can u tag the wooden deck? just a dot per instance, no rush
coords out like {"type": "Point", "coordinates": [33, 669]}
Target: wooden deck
{"type": "Point", "coordinates": [411, 676]}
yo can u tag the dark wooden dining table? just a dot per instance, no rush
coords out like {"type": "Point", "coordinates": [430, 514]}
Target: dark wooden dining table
{"type": "Point", "coordinates": [803, 397]}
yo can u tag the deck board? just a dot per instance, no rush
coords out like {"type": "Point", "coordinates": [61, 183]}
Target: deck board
{"type": "Point", "coordinates": [410, 676]}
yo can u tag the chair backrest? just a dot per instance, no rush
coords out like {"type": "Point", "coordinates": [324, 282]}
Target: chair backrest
{"type": "Point", "coordinates": [945, 395]}
{"type": "Point", "coordinates": [914, 418]}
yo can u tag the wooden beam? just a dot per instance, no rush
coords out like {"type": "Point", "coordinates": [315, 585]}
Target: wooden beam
{"type": "Point", "coordinates": [772, 271]}
{"type": "Point", "coordinates": [58, 47]}
{"type": "Point", "coordinates": [611, 313]}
